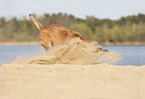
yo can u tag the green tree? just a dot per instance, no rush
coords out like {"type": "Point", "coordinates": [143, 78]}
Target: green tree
{"type": "Point", "coordinates": [10, 27]}
{"type": "Point", "coordinates": [83, 29]}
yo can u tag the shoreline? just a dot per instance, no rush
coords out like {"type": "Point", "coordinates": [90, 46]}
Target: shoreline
{"type": "Point", "coordinates": [124, 43]}
{"type": "Point", "coordinates": [105, 43]}
{"type": "Point", "coordinates": [20, 43]}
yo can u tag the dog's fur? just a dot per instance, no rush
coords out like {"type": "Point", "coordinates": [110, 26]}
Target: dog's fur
{"type": "Point", "coordinates": [55, 34]}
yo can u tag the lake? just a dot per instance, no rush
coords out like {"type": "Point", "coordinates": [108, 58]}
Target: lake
{"type": "Point", "coordinates": [132, 55]}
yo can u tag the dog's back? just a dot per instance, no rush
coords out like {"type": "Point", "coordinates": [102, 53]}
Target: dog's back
{"type": "Point", "coordinates": [55, 34]}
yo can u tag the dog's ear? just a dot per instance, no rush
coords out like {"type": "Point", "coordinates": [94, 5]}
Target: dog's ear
{"type": "Point", "coordinates": [78, 35]}
{"type": "Point", "coordinates": [38, 24]}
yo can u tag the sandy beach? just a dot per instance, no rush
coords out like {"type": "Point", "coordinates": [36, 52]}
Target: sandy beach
{"type": "Point", "coordinates": [72, 71]}
{"type": "Point", "coordinates": [62, 81]}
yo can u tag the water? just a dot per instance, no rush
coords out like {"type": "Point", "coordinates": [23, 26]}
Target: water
{"type": "Point", "coordinates": [9, 53]}
{"type": "Point", "coordinates": [132, 55]}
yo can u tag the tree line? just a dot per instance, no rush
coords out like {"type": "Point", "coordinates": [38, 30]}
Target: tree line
{"type": "Point", "coordinates": [125, 29]}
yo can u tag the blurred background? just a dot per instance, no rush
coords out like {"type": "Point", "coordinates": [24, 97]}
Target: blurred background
{"type": "Point", "coordinates": [106, 21]}
{"type": "Point", "coordinates": [109, 22]}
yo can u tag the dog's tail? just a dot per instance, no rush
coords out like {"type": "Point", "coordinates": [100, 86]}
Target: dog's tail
{"type": "Point", "coordinates": [38, 24]}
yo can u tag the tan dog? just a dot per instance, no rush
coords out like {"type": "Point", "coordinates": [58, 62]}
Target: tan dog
{"type": "Point", "coordinates": [55, 34]}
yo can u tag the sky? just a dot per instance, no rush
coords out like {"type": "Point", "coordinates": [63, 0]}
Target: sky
{"type": "Point", "coordinates": [112, 9]}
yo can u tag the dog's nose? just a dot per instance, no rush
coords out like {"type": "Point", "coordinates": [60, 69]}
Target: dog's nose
{"type": "Point", "coordinates": [105, 50]}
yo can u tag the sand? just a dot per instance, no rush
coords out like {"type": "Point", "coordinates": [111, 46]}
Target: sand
{"type": "Point", "coordinates": [72, 71]}
{"type": "Point", "coordinates": [61, 81]}
{"type": "Point", "coordinates": [76, 52]}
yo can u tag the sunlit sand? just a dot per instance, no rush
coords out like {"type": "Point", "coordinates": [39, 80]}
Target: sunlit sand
{"type": "Point", "coordinates": [71, 81]}
{"type": "Point", "coordinates": [72, 71]}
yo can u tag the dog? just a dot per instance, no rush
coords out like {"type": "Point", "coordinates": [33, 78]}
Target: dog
{"type": "Point", "coordinates": [55, 34]}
